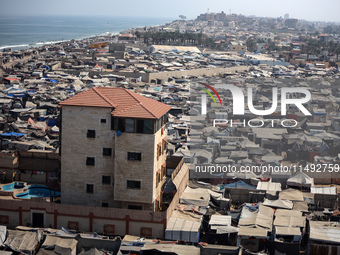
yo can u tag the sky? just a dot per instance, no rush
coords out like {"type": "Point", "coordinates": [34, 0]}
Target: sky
{"type": "Point", "coordinates": [311, 10]}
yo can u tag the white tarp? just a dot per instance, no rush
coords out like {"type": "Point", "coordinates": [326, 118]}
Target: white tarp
{"type": "Point", "coordinates": [3, 232]}
{"type": "Point", "coordinates": [323, 190]}
{"type": "Point", "coordinates": [327, 232]}
{"type": "Point", "coordinates": [287, 213]}
{"type": "Point", "coordinates": [300, 179]}
{"type": "Point", "coordinates": [290, 221]}
{"type": "Point", "coordinates": [269, 186]}
{"type": "Point", "coordinates": [291, 194]}
{"type": "Point", "coordinates": [288, 231]}
{"type": "Point", "coordinates": [23, 241]}
{"type": "Point", "coordinates": [284, 204]}
{"type": "Point", "coordinates": [183, 230]}
{"type": "Point", "coordinates": [249, 232]}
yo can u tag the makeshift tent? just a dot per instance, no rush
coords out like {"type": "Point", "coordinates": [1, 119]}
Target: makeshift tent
{"type": "Point", "coordinates": [60, 245]}
{"type": "Point", "coordinates": [300, 180]}
{"type": "Point", "coordinates": [181, 229]}
{"type": "Point", "coordinates": [199, 197]}
{"type": "Point", "coordinates": [284, 204]}
{"type": "Point", "coordinates": [93, 251]}
{"type": "Point", "coordinates": [287, 213]}
{"type": "Point", "coordinates": [290, 221]}
{"type": "Point", "coordinates": [326, 232]}
{"type": "Point", "coordinates": [289, 231]}
{"type": "Point", "coordinates": [291, 194]}
{"type": "Point", "coordinates": [238, 185]}
{"type": "Point", "coordinates": [250, 232]}
{"type": "Point", "coordinates": [300, 206]}
{"type": "Point", "coordinates": [23, 241]}
{"type": "Point", "coordinates": [3, 231]}
{"type": "Point", "coordinates": [269, 186]}
{"type": "Point", "coordinates": [222, 224]}
{"type": "Point", "coordinates": [151, 248]}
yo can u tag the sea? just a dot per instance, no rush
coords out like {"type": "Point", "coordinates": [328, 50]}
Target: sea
{"type": "Point", "coordinates": [32, 31]}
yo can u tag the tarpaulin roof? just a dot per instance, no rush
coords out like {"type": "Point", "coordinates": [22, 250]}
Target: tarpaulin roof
{"type": "Point", "coordinates": [328, 232]}
{"type": "Point", "coordinates": [300, 179]}
{"type": "Point", "coordinates": [12, 134]}
{"type": "Point", "coordinates": [11, 79]}
{"type": "Point", "coordinates": [23, 241]}
{"type": "Point", "coordinates": [288, 231]}
{"type": "Point", "coordinates": [323, 190]}
{"type": "Point", "coordinates": [220, 220]}
{"type": "Point", "coordinates": [180, 229]}
{"type": "Point", "coordinates": [285, 204]}
{"type": "Point", "coordinates": [291, 194]}
{"type": "Point", "coordinates": [287, 213]}
{"type": "Point", "coordinates": [269, 186]}
{"type": "Point", "coordinates": [300, 206]}
{"type": "Point", "coordinates": [3, 231]}
{"type": "Point", "coordinates": [256, 232]}
{"type": "Point", "coordinates": [290, 221]}
{"type": "Point", "coordinates": [239, 185]}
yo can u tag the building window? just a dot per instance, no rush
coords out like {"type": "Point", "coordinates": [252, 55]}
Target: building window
{"type": "Point", "coordinates": [89, 188]}
{"type": "Point", "coordinates": [134, 156]}
{"type": "Point", "coordinates": [90, 161]}
{"type": "Point", "coordinates": [159, 150]}
{"type": "Point", "coordinates": [107, 152]}
{"type": "Point", "coordinates": [106, 180]}
{"type": "Point", "coordinates": [140, 126]}
{"type": "Point", "coordinates": [132, 184]}
{"type": "Point", "coordinates": [135, 207]}
{"type": "Point", "coordinates": [158, 178]}
{"type": "Point", "coordinates": [148, 126]}
{"type": "Point", "coordinates": [104, 204]}
{"type": "Point", "coordinates": [129, 125]}
{"type": "Point", "coordinates": [121, 125]}
{"type": "Point", "coordinates": [91, 133]}
{"type": "Point", "coordinates": [103, 121]}
{"type": "Point", "coordinates": [133, 125]}
{"type": "Point", "coordinates": [164, 146]}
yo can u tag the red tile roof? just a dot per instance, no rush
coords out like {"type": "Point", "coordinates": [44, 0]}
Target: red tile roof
{"type": "Point", "coordinates": [125, 103]}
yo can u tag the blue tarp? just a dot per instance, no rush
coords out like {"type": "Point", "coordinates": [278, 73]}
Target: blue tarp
{"type": "Point", "coordinates": [17, 95]}
{"type": "Point", "coordinates": [12, 134]}
{"type": "Point", "coordinates": [51, 80]}
{"type": "Point", "coordinates": [239, 185]}
{"type": "Point", "coordinates": [51, 122]}
{"type": "Point", "coordinates": [46, 67]}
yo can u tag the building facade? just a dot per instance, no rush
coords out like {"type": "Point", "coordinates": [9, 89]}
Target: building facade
{"type": "Point", "coordinates": [113, 146]}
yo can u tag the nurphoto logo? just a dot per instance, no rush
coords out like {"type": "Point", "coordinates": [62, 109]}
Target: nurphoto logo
{"type": "Point", "coordinates": [238, 100]}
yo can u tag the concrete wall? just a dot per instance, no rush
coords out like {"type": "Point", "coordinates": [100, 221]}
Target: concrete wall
{"type": "Point", "coordinates": [75, 147]}
{"type": "Point", "coordinates": [89, 219]}
{"type": "Point", "coordinates": [144, 171]}
{"type": "Point", "coordinates": [193, 72]}
{"type": "Point", "coordinates": [147, 77]}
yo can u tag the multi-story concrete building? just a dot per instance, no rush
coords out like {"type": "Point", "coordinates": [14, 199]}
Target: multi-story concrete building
{"type": "Point", "coordinates": [113, 145]}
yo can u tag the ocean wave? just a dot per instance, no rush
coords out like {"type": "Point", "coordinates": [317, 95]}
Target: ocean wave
{"type": "Point", "coordinates": [13, 46]}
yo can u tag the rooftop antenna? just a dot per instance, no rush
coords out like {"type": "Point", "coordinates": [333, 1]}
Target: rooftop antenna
{"type": "Point", "coordinates": [208, 11]}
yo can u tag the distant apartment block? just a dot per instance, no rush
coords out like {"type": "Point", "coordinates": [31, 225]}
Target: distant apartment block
{"type": "Point", "coordinates": [291, 23]}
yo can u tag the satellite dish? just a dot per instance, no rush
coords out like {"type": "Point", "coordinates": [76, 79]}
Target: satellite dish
{"type": "Point", "coordinates": [119, 133]}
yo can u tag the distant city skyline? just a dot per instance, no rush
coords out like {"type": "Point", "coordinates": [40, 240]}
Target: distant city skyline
{"type": "Point", "coordinates": [311, 10]}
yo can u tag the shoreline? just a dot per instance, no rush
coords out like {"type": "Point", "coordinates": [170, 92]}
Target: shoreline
{"type": "Point", "coordinates": [112, 30]}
